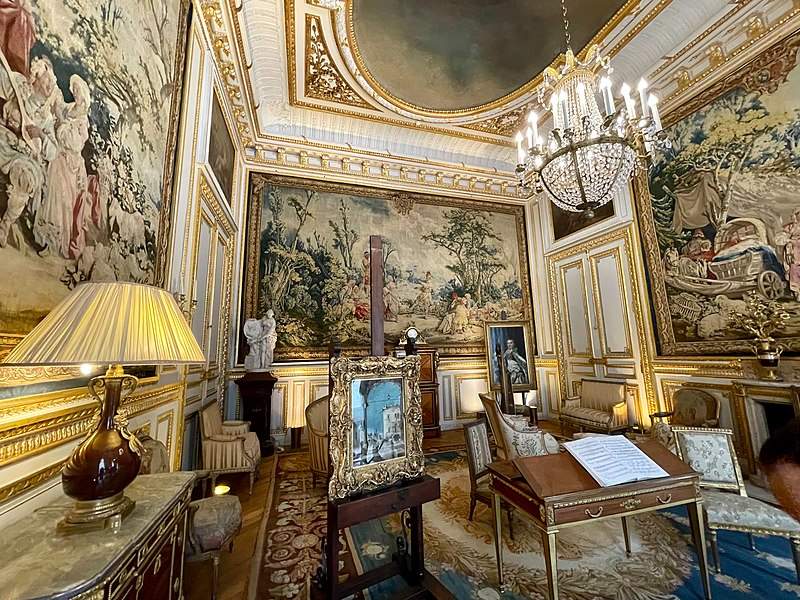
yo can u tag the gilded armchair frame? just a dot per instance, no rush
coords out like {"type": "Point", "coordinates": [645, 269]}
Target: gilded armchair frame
{"type": "Point", "coordinates": [735, 486]}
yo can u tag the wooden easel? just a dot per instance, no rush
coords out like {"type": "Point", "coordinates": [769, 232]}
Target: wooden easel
{"type": "Point", "coordinates": [406, 497]}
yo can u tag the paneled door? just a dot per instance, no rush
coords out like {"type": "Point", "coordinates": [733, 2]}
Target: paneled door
{"type": "Point", "coordinates": [595, 315]}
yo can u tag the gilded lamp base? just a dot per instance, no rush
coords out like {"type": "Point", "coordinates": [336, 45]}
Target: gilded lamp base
{"type": "Point", "coordinates": [91, 515]}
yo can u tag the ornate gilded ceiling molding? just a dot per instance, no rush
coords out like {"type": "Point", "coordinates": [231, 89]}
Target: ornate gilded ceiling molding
{"type": "Point", "coordinates": [226, 60]}
{"type": "Point", "coordinates": [14, 376]}
{"type": "Point", "coordinates": [719, 58]}
{"type": "Point", "coordinates": [505, 124]}
{"type": "Point", "coordinates": [348, 47]}
{"type": "Point", "coordinates": [323, 80]}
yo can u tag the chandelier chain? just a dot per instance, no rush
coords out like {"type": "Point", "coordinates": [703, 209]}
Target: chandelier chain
{"type": "Point", "coordinates": [567, 38]}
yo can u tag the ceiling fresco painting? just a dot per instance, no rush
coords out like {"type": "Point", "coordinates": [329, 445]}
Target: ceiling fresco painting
{"type": "Point", "coordinates": [457, 54]}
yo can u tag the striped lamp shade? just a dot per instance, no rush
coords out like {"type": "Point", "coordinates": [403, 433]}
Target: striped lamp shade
{"type": "Point", "coordinates": [111, 323]}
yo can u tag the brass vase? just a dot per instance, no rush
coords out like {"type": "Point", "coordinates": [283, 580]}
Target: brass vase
{"type": "Point", "coordinates": [105, 462]}
{"type": "Point", "coordinates": [768, 352]}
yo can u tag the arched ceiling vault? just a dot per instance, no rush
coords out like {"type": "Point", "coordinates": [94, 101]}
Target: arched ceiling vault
{"type": "Point", "coordinates": [445, 84]}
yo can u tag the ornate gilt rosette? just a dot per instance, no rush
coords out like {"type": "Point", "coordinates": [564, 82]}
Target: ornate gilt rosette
{"type": "Point", "coordinates": [378, 467]}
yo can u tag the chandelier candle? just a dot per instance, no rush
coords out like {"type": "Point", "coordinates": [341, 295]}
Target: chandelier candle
{"type": "Point", "coordinates": [642, 87]}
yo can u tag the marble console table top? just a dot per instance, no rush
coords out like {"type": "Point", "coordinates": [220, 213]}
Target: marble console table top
{"type": "Point", "coordinates": [37, 562]}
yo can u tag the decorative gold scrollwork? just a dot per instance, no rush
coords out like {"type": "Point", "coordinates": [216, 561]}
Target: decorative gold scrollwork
{"type": "Point", "coordinates": [630, 503]}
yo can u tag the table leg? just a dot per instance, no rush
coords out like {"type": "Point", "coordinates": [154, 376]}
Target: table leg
{"type": "Point", "coordinates": [695, 510]}
{"type": "Point", "coordinates": [498, 539]}
{"type": "Point", "coordinates": [551, 563]}
{"type": "Point", "coordinates": [332, 553]}
{"type": "Point", "coordinates": [626, 536]}
{"type": "Point", "coordinates": [417, 545]}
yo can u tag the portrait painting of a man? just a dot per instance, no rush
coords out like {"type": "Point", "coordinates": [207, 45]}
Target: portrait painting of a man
{"type": "Point", "coordinates": [511, 340]}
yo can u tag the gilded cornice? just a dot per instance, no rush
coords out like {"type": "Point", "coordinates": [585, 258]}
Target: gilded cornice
{"type": "Point", "coordinates": [323, 80]}
{"type": "Point", "coordinates": [504, 124]}
{"type": "Point", "coordinates": [16, 376]}
{"type": "Point", "coordinates": [227, 60]}
{"type": "Point", "coordinates": [31, 481]}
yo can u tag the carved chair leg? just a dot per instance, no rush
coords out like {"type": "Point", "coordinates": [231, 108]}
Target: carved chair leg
{"type": "Point", "coordinates": [626, 536]}
{"type": "Point", "coordinates": [510, 523]}
{"type": "Point", "coordinates": [214, 575]}
{"type": "Point", "coordinates": [252, 478]}
{"type": "Point", "coordinates": [752, 541]}
{"type": "Point", "coordinates": [712, 535]}
{"type": "Point", "coordinates": [472, 503]}
{"type": "Point", "coordinates": [796, 554]}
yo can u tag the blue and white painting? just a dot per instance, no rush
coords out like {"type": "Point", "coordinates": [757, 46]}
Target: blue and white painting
{"type": "Point", "coordinates": [378, 420]}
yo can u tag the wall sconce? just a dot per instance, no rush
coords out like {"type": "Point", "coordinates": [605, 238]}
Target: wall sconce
{"type": "Point", "coordinates": [187, 308]}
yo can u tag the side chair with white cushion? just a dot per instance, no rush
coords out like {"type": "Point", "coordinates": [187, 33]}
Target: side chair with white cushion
{"type": "Point", "coordinates": [514, 437]}
{"type": "Point", "coordinates": [710, 452]}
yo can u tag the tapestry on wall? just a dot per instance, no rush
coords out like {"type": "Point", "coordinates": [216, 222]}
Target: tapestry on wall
{"type": "Point", "coordinates": [722, 218]}
{"type": "Point", "coordinates": [449, 265]}
{"type": "Point", "coordinates": [89, 98]}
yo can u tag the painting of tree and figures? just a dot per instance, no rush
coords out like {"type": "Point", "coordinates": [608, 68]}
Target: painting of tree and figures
{"type": "Point", "coordinates": [449, 265]}
{"type": "Point", "coordinates": [89, 94]}
{"type": "Point", "coordinates": [723, 218]}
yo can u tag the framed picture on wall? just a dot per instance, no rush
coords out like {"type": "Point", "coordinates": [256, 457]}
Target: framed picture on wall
{"type": "Point", "coordinates": [375, 423]}
{"type": "Point", "coordinates": [513, 338]}
{"type": "Point", "coordinates": [221, 150]}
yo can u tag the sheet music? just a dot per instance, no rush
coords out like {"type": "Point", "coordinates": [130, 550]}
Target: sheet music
{"type": "Point", "coordinates": [614, 459]}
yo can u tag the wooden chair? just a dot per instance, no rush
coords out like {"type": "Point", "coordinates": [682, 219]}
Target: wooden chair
{"type": "Point", "coordinates": [228, 447]}
{"type": "Point", "coordinates": [513, 436]}
{"type": "Point", "coordinates": [691, 407]}
{"type": "Point", "coordinates": [726, 504]}
{"type": "Point", "coordinates": [479, 455]}
{"type": "Point", "coordinates": [318, 438]}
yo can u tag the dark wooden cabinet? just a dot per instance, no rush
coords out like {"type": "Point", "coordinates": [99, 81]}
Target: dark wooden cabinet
{"type": "Point", "coordinates": [255, 391]}
{"type": "Point", "coordinates": [143, 560]}
{"type": "Point", "coordinates": [429, 390]}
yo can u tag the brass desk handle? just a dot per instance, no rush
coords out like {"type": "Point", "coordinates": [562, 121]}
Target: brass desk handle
{"type": "Point", "coordinates": [595, 515]}
{"type": "Point", "coordinates": [666, 500]}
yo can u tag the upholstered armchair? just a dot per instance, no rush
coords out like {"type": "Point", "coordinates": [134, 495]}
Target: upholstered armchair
{"type": "Point", "coordinates": [228, 447]}
{"type": "Point", "coordinates": [727, 506]}
{"type": "Point", "coordinates": [318, 438]}
{"type": "Point", "coordinates": [479, 455]}
{"type": "Point", "coordinates": [513, 436]}
{"type": "Point", "coordinates": [691, 407]}
{"type": "Point", "coordinates": [212, 523]}
{"type": "Point", "coordinates": [601, 406]}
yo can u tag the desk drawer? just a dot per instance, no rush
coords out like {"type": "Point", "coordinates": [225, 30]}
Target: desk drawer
{"type": "Point", "coordinates": [622, 504]}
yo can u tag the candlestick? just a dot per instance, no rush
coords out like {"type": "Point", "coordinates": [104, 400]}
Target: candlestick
{"type": "Point", "coordinates": [520, 151]}
{"type": "Point", "coordinates": [642, 87]}
{"type": "Point", "coordinates": [562, 100]}
{"type": "Point", "coordinates": [529, 135]}
{"type": "Point", "coordinates": [652, 101]}
{"type": "Point", "coordinates": [533, 119]}
{"type": "Point", "coordinates": [608, 97]}
{"type": "Point", "coordinates": [630, 105]}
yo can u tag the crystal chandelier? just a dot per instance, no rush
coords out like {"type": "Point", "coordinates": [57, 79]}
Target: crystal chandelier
{"type": "Point", "coordinates": [588, 155]}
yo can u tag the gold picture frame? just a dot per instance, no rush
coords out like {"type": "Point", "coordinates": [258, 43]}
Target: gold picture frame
{"type": "Point", "coordinates": [519, 333]}
{"type": "Point", "coordinates": [386, 454]}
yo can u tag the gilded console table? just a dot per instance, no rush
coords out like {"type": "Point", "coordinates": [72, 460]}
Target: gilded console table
{"type": "Point", "coordinates": [143, 560]}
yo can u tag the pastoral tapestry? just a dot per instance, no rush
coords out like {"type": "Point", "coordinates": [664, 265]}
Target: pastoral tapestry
{"type": "Point", "coordinates": [722, 217]}
{"type": "Point", "coordinates": [449, 265]}
{"type": "Point", "coordinates": [89, 98]}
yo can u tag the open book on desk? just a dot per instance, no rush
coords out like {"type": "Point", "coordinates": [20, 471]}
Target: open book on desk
{"type": "Point", "coordinates": [613, 459]}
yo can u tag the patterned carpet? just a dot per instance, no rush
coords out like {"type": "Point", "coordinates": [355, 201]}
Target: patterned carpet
{"type": "Point", "coordinates": [592, 560]}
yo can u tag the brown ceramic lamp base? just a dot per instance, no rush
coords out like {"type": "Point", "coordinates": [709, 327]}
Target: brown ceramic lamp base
{"type": "Point", "coordinates": [105, 462]}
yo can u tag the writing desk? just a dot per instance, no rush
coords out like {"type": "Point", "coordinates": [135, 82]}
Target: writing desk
{"type": "Point", "coordinates": [562, 494]}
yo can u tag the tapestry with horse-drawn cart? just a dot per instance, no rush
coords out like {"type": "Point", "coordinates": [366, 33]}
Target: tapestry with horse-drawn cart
{"type": "Point", "coordinates": [722, 216]}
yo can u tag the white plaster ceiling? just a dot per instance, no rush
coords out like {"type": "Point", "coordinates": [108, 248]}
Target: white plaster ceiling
{"type": "Point", "coordinates": [645, 41]}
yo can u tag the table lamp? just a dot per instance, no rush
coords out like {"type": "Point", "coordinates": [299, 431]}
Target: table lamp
{"type": "Point", "coordinates": [111, 324]}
